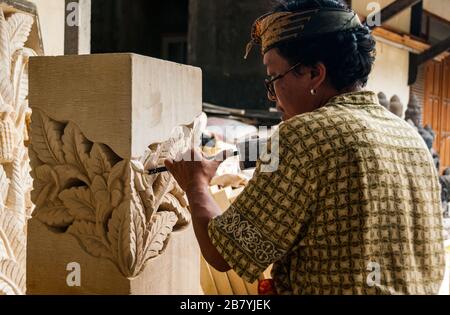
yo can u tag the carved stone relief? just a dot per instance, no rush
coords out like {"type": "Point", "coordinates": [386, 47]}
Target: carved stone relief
{"type": "Point", "coordinates": [383, 100]}
{"type": "Point", "coordinates": [110, 205]}
{"type": "Point", "coordinates": [414, 113]}
{"type": "Point", "coordinates": [15, 180]}
{"type": "Point", "coordinates": [396, 106]}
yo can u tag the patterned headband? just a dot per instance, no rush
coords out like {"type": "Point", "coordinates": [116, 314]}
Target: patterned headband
{"type": "Point", "coordinates": [274, 28]}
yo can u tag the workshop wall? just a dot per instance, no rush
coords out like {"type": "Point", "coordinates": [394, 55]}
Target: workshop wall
{"type": "Point", "coordinates": [390, 73]}
{"type": "Point", "coordinates": [52, 20]}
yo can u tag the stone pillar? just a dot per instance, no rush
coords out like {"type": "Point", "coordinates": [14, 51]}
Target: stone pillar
{"type": "Point", "coordinates": [101, 224]}
{"type": "Point", "coordinates": [19, 40]}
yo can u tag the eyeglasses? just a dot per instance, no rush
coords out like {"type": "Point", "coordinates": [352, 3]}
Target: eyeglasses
{"type": "Point", "coordinates": [270, 83]}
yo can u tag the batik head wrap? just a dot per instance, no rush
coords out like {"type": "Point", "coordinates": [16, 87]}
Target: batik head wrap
{"type": "Point", "coordinates": [274, 28]}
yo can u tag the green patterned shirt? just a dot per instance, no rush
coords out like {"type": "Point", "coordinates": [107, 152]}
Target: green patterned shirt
{"type": "Point", "coordinates": [353, 208]}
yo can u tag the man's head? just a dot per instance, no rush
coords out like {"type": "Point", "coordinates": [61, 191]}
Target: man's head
{"type": "Point", "coordinates": [314, 49]}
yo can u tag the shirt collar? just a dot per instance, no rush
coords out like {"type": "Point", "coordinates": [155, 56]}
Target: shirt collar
{"type": "Point", "coordinates": [364, 98]}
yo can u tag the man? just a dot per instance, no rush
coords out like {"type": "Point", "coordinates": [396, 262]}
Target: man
{"type": "Point", "coordinates": [354, 205]}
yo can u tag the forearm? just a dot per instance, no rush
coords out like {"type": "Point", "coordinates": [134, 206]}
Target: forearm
{"type": "Point", "coordinates": [204, 209]}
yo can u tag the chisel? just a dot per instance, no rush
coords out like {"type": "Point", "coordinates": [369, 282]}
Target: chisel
{"type": "Point", "coordinates": [164, 169]}
{"type": "Point", "coordinates": [246, 150]}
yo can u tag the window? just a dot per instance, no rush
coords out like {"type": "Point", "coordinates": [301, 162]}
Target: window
{"type": "Point", "coordinates": [434, 28]}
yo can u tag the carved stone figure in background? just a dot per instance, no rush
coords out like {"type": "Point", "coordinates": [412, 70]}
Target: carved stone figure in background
{"type": "Point", "coordinates": [396, 106]}
{"type": "Point", "coordinates": [413, 113]}
{"type": "Point", "coordinates": [414, 117]}
{"type": "Point", "coordinates": [15, 181]}
{"type": "Point", "coordinates": [445, 183]}
{"type": "Point", "coordinates": [428, 135]}
{"type": "Point", "coordinates": [382, 98]}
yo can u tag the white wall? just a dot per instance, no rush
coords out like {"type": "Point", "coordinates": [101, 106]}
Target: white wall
{"type": "Point", "coordinates": [52, 19]}
{"type": "Point", "coordinates": [390, 73]}
{"type": "Point", "coordinates": [400, 23]}
{"type": "Point", "coordinates": [438, 7]}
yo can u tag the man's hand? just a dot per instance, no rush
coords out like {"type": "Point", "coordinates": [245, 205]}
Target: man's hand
{"type": "Point", "coordinates": [192, 170]}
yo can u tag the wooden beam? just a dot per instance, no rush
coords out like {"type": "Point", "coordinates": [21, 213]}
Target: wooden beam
{"type": "Point", "coordinates": [413, 69]}
{"type": "Point", "coordinates": [416, 19]}
{"type": "Point", "coordinates": [392, 10]}
{"type": "Point", "coordinates": [416, 60]}
{"type": "Point", "coordinates": [401, 39]}
{"type": "Point", "coordinates": [416, 30]}
{"type": "Point", "coordinates": [434, 51]}
{"type": "Point", "coordinates": [409, 42]}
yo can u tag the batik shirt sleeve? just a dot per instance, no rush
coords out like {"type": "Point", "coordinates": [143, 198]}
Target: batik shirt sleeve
{"type": "Point", "coordinates": [265, 221]}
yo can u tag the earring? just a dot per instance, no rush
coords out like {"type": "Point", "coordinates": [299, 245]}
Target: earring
{"type": "Point", "coordinates": [313, 91]}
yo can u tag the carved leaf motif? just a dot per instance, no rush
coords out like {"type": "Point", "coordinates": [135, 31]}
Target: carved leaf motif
{"type": "Point", "coordinates": [102, 203]}
{"type": "Point", "coordinates": [18, 67]}
{"type": "Point", "coordinates": [5, 246]}
{"type": "Point", "coordinates": [47, 143]}
{"type": "Point", "coordinates": [111, 206]}
{"type": "Point", "coordinates": [68, 175]}
{"type": "Point", "coordinates": [76, 147]}
{"type": "Point", "coordinates": [162, 186]}
{"type": "Point", "coordinates": [12, 278]}
{"type": "Point", "coordinates": [161, 226]}
{"type": "Point", "coordinates": [172, 204]}
{"type": "Point", "coordinates": [118, 236]}
{"type": "Point", "coordinates": [19, 28]}
{"type": "Point", "coordinates": [20, 83]}
{"type": "Point", "coordinates": [137, 230]}
{"type": "Point", "coordinates": [20, 87]}
{"type": "Point", "coordinates": [85, 232]}
{"type": "Point", "coordinates": [34, 161]}
{"type": "Point", "coordinates": [116, 181]}
{"type": "Point", "coordinates": [4, 185]}
{"type": "Point", "coordinates": [54, 215]}
{"type": "Point", "coordinates": [6, 91]}
{"type": "Point", "coordinates": [14, 239]}
{"type": "Point", "coordinates": [46, 186]}
{"type": "Point", "coordinates": [101, 160]}
{"type": "Point", "coordinates": [79, 203]}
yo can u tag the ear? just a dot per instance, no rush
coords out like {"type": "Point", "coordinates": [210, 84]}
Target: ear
{"type": "Point", "coordinates": [318, 75]}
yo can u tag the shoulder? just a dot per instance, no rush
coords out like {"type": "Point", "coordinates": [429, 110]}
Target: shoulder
{"type": "Point", "coordinates": [314, 127]}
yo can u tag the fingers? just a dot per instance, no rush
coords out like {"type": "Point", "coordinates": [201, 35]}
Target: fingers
{"type": "Point", "coordinates": [169, 164]}
{"type": "Point", "coordinates": [185, 156]}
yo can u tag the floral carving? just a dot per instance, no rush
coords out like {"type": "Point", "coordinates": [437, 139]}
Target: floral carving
{"type": "Point", "coordinates": [114, 209]}
{"type": "Point", "coordinates": [15, 181]}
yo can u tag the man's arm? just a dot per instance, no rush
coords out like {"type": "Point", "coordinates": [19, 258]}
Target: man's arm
{"type": "Point", "coordinates": [204, 209]}
{"type": "Point", "coordinates": [194, 173]}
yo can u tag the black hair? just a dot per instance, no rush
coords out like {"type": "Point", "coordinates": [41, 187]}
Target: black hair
{"type": "Point", "coordinates": [348, 55]}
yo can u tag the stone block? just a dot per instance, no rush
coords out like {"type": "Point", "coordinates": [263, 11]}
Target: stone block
{"type": "Point", "coordinates": [102, 224]}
